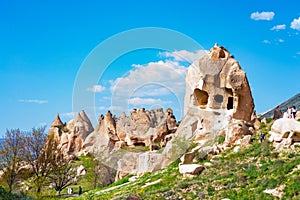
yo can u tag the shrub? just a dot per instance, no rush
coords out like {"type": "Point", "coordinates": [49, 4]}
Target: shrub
{"type": "Point", "coordinates": [269, 120]}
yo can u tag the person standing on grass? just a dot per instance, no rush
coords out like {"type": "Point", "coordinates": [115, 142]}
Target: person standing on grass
{"type": "Point", "coordinates": [294, 111]}
{"type": "Point", "coordinates": [262, 137]}
{"type": "Point", "coordinates": [277, 113]}
{"type": "Point", "coordinates": [289, 112]}
{"type": "Point", "coordinates": [80, 190]}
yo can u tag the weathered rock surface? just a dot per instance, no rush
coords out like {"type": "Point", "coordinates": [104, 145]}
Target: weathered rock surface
{"type": "Point", "coordinates": [144, 127]}
{"type": "Point", "coordinates": [81, 170]}
{"type": "Point", "coordinates": [276, 192]}
{"type": "Point", "coordinates": [72, 135]}
{"type": "Point", "coordinates": [190, 169]}
{"type": "Point", "coordinates": [285, 132]}
{"type": "Point", "coordinates": [217, 81]}
{"type": "Point", "coordinates": [103, 137]}
{"type": "Point", "coordinates": [141, 128]}
{"type": "Point", "coordinates": [55, 127]}
{"type": "Point", "coordinates": [81, 129]}
{"type": "Point", "coordinates": [218, 102]}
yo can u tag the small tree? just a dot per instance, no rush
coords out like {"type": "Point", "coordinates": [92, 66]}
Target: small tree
{"type": "Point", "coordinates": [62, 174]}
{"type": "Point", "coordinates": [36, 154]}
{"type": "Point", "coordinates": [11, 157]}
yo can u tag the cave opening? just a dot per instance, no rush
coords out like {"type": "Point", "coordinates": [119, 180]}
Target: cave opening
{"type": "Point", "coordinates": [230, 103]}
{"type": "Point", "coordinates": [201, 98]}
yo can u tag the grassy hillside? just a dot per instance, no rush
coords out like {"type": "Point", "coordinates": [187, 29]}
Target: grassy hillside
{"type": "Point", "coordinates": [234, 175]}
{"type": "Point", "coordinates": [242, 175]}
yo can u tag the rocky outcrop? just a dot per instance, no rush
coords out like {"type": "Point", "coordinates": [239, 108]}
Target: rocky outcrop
{"type": "Point", "coordinates": [218, 102]}
{"type": "Point", "coordinates": [81, 127]}
{"type": "Point", "coordinates": [145, 127]}
{"type": "Point", "coordinates": [217, 81]}
{"type": "Point", "coordinates": [72, 135]}
{"type": "Point", "coordinates": [59, 132]}
{"type": "Point", "coordinates": [56, 127]}
{"type": "Point", "coordinates": [141, 128]}
{"type": "Point", "coordinates": [284, 133]}
{"type": "Point", "coordinates": [190, 170]}
{"type": "Point", "coordinates": [276, 192]}
{"type": "Point", "coordinates": [104, 136]}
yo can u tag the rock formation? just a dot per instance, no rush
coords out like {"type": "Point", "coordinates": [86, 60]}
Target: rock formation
{"type": "Point", "coordinates": [218, 102]}
{"type": "Point", "coordinates": [56, 125]}
{"type": "Point", "coordinates": [217, 81]}
{"type": "Point", "coordinates": [81, 127]}
{"type": "Point", "coordinates": [285, 133]}
{"type": "Point", "coordinates": [218, 99]}
{"type": "Point", "coordinates": [104, 136]}
{"type": "Point", "coordinates": [141, 128]}
{"type": "Point", "coordinates": [72, 135]}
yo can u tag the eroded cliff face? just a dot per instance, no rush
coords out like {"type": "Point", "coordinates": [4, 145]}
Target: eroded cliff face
{"type": "Point", "coordinates": [140, 128]}
{"type": "Point", "coordinates": [218, 101]}
{"type": "Point", "coordinates": [71, 135]}
{"type": "Point", "coordinates": [217, 81]}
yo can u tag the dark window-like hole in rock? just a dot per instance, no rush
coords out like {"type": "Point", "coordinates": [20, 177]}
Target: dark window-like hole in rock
{"type": "Point", "coordinates": [230, 103]}
{"type": "Point", "coordinates": [201, 97]}
{"type": "Point", "coordinates": [221, 54]}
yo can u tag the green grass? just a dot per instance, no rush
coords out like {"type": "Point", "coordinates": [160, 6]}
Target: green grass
{"type": "Point", "coordinates": [242, 175]}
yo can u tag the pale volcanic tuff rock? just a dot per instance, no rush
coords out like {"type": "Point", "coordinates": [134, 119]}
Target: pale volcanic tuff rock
{"type": "Point", "coordinates": [217, 81]}
{"type": "Point", "coordinates": [81, 129]}
{"type": "Point", "coordinates": [104, 136]}
{"type": "Point", "coordinates": [218, 101]}
{"type": "Point", "coordinates": [59, 132]}
{"type": "Point", "coordinates": [285, 132]}
{"type": "Point", "coordinates": [218, 97]}
{"type": "Point", "coordinates": [55, 127]}
{"type": "Point", "coordinates": [71, 136]}
{"type": "Point", "coordinates": [144, 127]}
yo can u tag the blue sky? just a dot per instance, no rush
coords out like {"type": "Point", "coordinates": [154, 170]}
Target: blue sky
{"type": "Point", "coordinates": [43, 45]}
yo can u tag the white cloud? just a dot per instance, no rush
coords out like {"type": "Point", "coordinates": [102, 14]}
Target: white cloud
{"type": "Point", "coordinates": [281, 40]}
{"type": "Point", "coordinates": [116, 109]}
{"type": "Point", "coordinates": [151, 90]}
{"type": "Point", "coordinates": [184, 55]}
{"type": "Point", "coordinates": [69, 115]}
{"type": "Point", "coordinates": [262, 15]}
{"type": "Point", "coordinates": [146, 101]}
{"type": "Point", "coordinates": [96, 88]}
{"type": "Point", "coordinates": [296, 24]}
{"type": "Point", "coordinates": [278, 27]}
{"type": "Point", "coordinates": [154, 73]}
{"type": "Point", "coordinates": [266, 41]}
{"type": "Point", "coordinates": [37, 101]}
{"type": "Point", "coordinates": [150, 80]}
{"type": "Point", "coordinates": [101, 108]}
{"type": "Point", "coordinates": [298, 53]}
{"type": "Point", "coordinates": [42, 124]}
